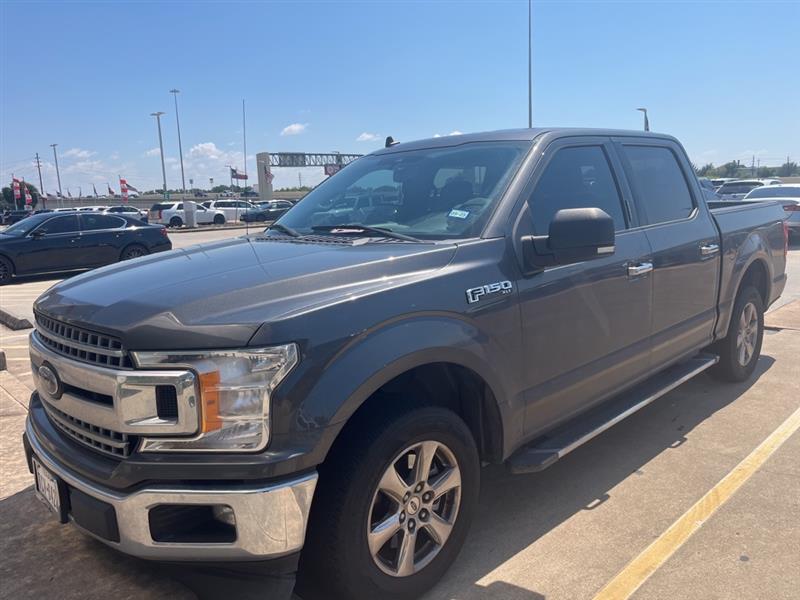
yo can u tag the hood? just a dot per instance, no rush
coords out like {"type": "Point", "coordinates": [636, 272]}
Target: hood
{"type": "Point", "coordinates": [219, 294]}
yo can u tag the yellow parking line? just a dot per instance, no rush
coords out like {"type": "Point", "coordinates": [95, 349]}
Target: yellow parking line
{"type": "Point", "coordinates": [13, 347]}
{"type": "Point", "coordinates": [656, 554]}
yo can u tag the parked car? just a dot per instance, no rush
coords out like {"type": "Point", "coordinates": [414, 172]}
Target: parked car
{"type": "Point", "coordinates": [53, 242]}
{"type": "Point", "coordinates": [14, 216]}
{"type": "Point", "coordinates": [232, 209]}
{"type": "Point", "coordinates": [128, 211]}
{"type": "Point", "coordinates": [173, 214]}
{"type": "Point", "coordinates": [248, 194]}
{"type": "Point", "coordinates": [336, 388]}
{"type": "Point", "coordinates": [738, 189]}
{"type": "Point", "coordinates": [93, 208]}
{"type": "Point", "coordinates": [788, 194]}
{"type": "Point", "coordinates": [266, 211]}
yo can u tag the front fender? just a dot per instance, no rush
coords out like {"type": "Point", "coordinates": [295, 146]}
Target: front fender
{"type": "Point", "coordinates": [374, 357]}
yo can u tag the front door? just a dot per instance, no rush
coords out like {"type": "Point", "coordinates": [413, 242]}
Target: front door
{"type": "Point", "coordinates": [52, 246]}
{"type": "Point", "coordinates": [586, 327]}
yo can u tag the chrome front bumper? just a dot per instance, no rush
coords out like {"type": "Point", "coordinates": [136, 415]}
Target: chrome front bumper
{"type": "Point", "coordinates": [270, 519]}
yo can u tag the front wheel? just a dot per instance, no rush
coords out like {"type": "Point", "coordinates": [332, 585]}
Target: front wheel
{"type": "Point", "coordinates": [6, 271]}
{"type": "Point", "coordinates": [219, 220]}
{"type": "Point", "coordinates": [740, 349]}
{"type": "Point", "coordinates": [392, 509]}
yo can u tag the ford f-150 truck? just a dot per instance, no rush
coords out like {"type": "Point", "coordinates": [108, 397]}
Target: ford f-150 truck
{"type": "Point", "coordinates": [324, 393]}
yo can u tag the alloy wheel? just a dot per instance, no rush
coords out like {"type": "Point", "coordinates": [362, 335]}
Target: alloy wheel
{"type": "Point", "coordinates": [747, 334]}
{"type": "Point", "coordinates": [414, 508]}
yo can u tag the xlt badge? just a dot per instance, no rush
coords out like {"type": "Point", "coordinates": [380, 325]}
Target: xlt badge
{"type": "Point", "coordinates": [500, 287]}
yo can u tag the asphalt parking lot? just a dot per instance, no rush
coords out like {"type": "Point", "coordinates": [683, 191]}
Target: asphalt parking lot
{"type": "Point", "coordinates": [696, 496]}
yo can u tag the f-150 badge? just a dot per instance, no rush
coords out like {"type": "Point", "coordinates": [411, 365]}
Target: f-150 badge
{"type": "Point", "coordinates": [477, 293]}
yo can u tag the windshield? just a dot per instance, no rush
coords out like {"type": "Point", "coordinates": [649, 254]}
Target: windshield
{"type": "Point", "coordinates": [21, 228]}
{"type": "Point", "coordinates": [774, 192]}
{"type": "Point", "coordinates": [435, 193]}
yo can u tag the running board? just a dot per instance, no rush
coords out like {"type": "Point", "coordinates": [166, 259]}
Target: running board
{"type": "Point", "coordinates": [543, 452]}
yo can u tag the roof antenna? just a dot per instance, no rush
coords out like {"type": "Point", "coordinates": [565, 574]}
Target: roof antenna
{"type": "Point", "coordinates": [390, 142]}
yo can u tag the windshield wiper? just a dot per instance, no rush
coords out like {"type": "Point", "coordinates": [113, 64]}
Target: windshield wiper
{"type": "Point", "coordinates": [353, 227]}
{"type": "Point", "coordinates": [284, 228]}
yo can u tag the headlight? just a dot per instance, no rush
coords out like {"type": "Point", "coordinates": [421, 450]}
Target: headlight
{"type": "Point", "coordinates": [235, 388]}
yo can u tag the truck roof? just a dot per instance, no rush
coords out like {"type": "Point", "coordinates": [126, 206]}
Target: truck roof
{"type": "Point", "coordinates": [514, 134]}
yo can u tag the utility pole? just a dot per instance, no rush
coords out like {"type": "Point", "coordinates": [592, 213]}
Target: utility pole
{"type": "Point", "coordinates": [300, 178]}
{"type": "Point", "coordinates": [244, 140]}
{"type": "Point", "coordinates": [175, 93]}
{"type": "Point", "coordinates": [157, 115]}
{"type": "Point", "coordinates": [58, 175]}
{"type": "Point", "coordinates": [753, 165]}
{"type": "Point", "coordinates": [530, 72]}
{"type": "Point", "coordinates": [39, 168]}
{"type": "Point", "coordinates": [646, 120]}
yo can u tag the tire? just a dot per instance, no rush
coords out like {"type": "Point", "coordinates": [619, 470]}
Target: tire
{"type": "Point", "coordinates": [219, 220]}
{"type": "Point", "coordinates": [133, 251]}
{"type": "Point", "coordinates": [6, 271]}
{"type": "Point", "coordinates": [736, 362]}
{"type": "Point", "coordinates": [337, 561]}
{"type": "Point", "coordinates": [175, 222]}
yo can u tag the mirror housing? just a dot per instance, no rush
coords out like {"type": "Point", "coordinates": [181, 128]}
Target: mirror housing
{"type": "Point", "coordinates": [575, 235]}
{"type": "Point", "coordinates": [37, 234]}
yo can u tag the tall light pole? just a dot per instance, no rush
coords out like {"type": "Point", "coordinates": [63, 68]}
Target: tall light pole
{"type": "Point", "coordinates": [157, 115]}
{"type": "Point", "coordinates": [646, 121]}
{"type": "Point", "coordinates": [175, 93]}
{"type": "Point", "coordinates": [58, 174]}
{"type": "Point", "coordinates": [530, 71]}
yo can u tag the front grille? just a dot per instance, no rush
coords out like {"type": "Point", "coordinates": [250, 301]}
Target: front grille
{"type": "Point", "coordinates": [106, 441]}
{"type": "Point", "coordinates": [81, 344]}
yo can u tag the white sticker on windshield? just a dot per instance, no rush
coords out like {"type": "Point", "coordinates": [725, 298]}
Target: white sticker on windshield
{"type": "Point", "coordinates": [458, 214]}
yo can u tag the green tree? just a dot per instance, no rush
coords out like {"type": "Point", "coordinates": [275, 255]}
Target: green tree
{"type": "Point", "coordinates": [8, 197]}
{"type": "Point", "coordinates": [765, 172]}
{"type": "Point", "coordinates": [706, 170]}
{"type": "Point", "coordinates": [788, 169]}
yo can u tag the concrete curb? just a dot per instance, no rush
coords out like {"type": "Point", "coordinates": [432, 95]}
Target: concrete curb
{"type": "Point", "coordinates": [12, 321]}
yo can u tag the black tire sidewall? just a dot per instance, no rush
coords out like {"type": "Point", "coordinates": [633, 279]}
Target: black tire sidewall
{"type": "Point", "coordinates": [219, 220]}
{"type": "Point", "coordinates": [124, 255]}
{"type": "Point", "coordinates": [360, 575]}
{"type": "Point", "coordinates": [729, 366]}
{"type": "Point", "coordinates": [9, 269]}
{"type": "Point", "coordinates": [175, 222]}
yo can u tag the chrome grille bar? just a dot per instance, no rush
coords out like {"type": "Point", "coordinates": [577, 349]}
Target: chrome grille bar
{"type": "Point", "coordinates": [81, 344]}
{"type": "Point", "coordinates": [103, 440]}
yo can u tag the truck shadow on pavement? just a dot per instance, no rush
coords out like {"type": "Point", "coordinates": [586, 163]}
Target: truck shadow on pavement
{"type": "Point", "coordinates": [43, 559]}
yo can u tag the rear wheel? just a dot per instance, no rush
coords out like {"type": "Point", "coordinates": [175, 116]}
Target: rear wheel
{"type": "Point", "coordinates": [392, 509]}
{"type": "Point", "coordinates": [133, 251]}
{"type": "Point", "coordinates": [6, 271]}
{"type": "Point", "coordinates": [740, 349]}
{"type": "Point", "coordinates": [219, 220]}
{"type": "Point", "coordinates": [175, 222]}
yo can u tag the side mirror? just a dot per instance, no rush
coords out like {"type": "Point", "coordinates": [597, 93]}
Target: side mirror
{"type": "Point", "coordinates": [37, 234]}
{"type": "Point", "coordinates": [575, 235]}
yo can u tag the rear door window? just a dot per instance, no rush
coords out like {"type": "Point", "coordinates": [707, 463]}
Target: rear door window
{"type": "Point", "coordinates": [97, 222]}
{"type": "Point", "coordinates": [659, 184]}
{"type": "Point", "coordinates": [576, 177]}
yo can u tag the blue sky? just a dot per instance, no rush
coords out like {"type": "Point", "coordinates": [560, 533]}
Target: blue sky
{"type": "Point", "coordinates": [721, 76]}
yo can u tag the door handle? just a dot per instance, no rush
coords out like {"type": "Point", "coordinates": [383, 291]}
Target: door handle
{"type": "Point", "coordinates": [640, 269]}
{"type": "Point", "coordinates": [709, 249]}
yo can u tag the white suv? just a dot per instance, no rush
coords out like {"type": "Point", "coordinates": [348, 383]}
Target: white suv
{"type": "Point", "coordinates": [233, 209]}
{"type": "Point", "coordinates": [172, 214]}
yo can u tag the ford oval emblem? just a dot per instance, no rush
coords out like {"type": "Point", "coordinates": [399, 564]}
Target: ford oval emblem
{"type": "Point", "coordinates": [50, 381]}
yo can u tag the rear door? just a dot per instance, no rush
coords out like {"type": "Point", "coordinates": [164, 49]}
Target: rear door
{"type": "Point", "coordinates": [102, 238]}
{"type": "Point", "coordinates": [586, 326]}
{"type": "Point", "coordinates": [684, 242]}
{"type": "Point", "coordinates": [53, 246]}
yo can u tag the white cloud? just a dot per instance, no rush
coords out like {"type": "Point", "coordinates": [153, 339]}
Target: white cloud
{"type": "Point", "coordinates": [153, 152]}
{"type": "Point", "coordinates": [294, 129]}
{"type": "Point", "coordinates": [368, 137]}
{"type": "Point", "coordinates": [78, 153]}
{"type": "Point", "coordinates": [454, 132]}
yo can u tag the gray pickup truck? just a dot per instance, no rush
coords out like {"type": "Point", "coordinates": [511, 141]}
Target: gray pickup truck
{"type": "Point", "coordinates": [323, 394]}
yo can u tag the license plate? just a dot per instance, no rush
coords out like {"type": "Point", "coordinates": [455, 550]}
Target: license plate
{"type": "Point", "coordinates": [47, 487]}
